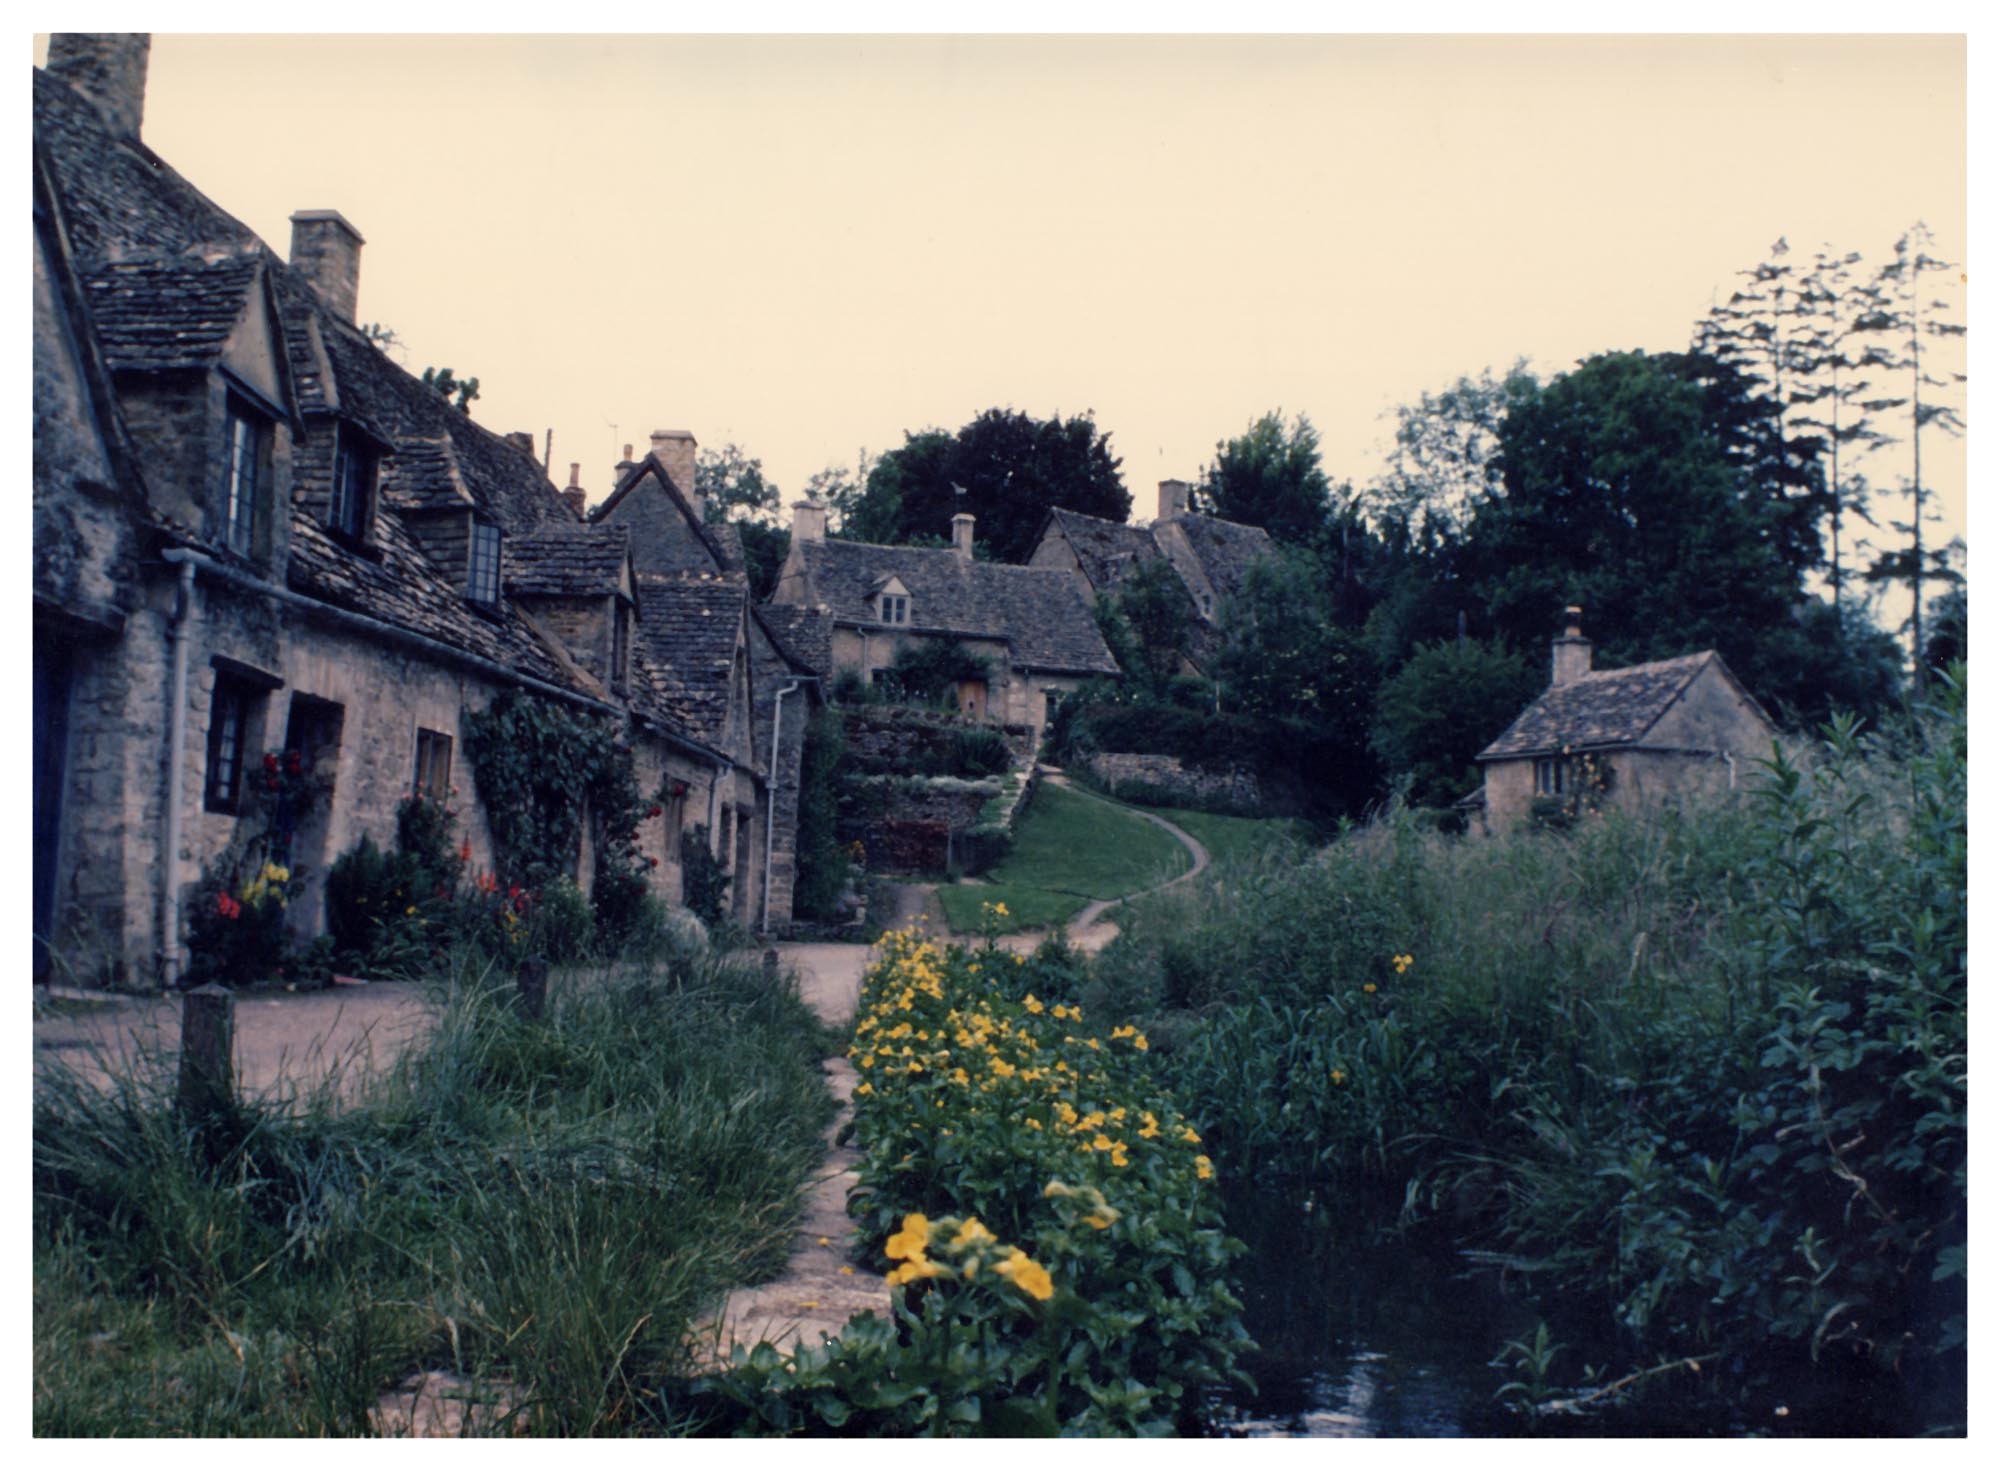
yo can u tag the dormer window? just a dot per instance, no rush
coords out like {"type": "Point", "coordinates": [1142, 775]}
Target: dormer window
{"type": "Point", "coordinates": [895, 607]}
{"type": "Point", "coordinates": [246, 476]}
{"type": "Point", "coordinates": [354, 466]}
{"type": "Point", "coordinates": [484, 583]}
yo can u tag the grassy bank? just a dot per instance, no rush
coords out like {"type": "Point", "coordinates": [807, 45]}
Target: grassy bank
{"type": "Point", "coordinates": [1698, 1080]}
{"type": "Point", "coordinates": [547, 1209]}
{"type": "Point", "coordinates": [1070, 848]}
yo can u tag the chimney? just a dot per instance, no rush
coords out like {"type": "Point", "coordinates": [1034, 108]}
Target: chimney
{"type": "Point", "coordinates": [326, 250]}
{"type": "Point", "coordinates": [623, 468]}
{"type": "Point", "coordinates": [1173, 499]}
{"type": "Point", "coordinates": [573, 492]}
{"type": "Point", "coordinates": [108, 71]}
{"type": "Point", "coordinates": [808, 520]}
{"type": "Point", "coordinates": [674, 449]}
{"type": "Point", "coordinates": [961, 536]}
{"type": "Point", "coordinates": [1569, 655]}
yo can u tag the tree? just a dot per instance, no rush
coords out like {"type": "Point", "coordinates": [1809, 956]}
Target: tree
{"type": "Point", "coordinates": [1901, 313]}
{"type": "Point", "coordinates": [1269, 476]}
{"type": "Point", "coordinates": [1005, 469]}
{"type": "Point", "coordinates": [1447, 456]}
{"type": "Point", "coordinates": [1154, 606]}
{"type": "Point", "coordinates": [732, 486]}
{"type": "Point", "coordinates": [1284, 652]}
{"type": "Point", "coordinates": [1642, 486]}
{"type": "Point", "coordinates": [1443, 708]}
{"type": "Point", "coordinates": [1950, 637]}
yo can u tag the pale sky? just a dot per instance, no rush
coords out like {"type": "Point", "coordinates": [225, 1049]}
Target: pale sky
{"type": "Point", "coordinates": [808, 245]}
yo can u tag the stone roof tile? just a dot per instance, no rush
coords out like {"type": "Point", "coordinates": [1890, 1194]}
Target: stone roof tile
{"type": "Point", "coordinates": [154, 313]}
{"type": "Point", "coordinates": [688, 627]}
{"type": "Point", "coordinates": [1606, 707]}
{"type": "Point", "coordinates": [575, 561]}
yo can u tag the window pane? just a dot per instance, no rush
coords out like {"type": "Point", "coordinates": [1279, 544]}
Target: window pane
{"type": "Point", "coordinates": [485, 562]}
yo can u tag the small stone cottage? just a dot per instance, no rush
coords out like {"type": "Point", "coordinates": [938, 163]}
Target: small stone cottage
{"type": "Point", "coordinates": [1624, 738]}
{"type": "Point", "coordinates": [255, 533]}
{"type": "Point", "coordinates": [1031, 626]}
{"type": "Point", "coordinates": [1210, 556]}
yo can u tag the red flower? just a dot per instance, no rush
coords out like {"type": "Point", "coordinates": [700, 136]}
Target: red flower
{"type": "Point", "coordinates": [657, 811]}
{"type": "Point", "coordinates": [270, 760]}
{"type": "Point", "coordinates": [652, 863]}
{"type": "Point", "coordinates": [294, 764]}
{"type": "Point", "coordinates": [465, 851]}
{"type": "Point", "coordinates": [513, 891]}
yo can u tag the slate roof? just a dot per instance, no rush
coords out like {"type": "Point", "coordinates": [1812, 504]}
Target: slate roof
{"type": "Point", "coordinates": [1606, 707]}
{"type": "Point", "coordinates": [804, 635]}
{"type": "Point", "coordinates": [1108, 551]}
{"type": "Point", "coordinates": [162, 312]}
{"type": "Point", "coordinates": [1038, 611]}
{"type": "Point", "coordinates": [573, 561]}
{"type": "Point", "coordinates": [1225, 549]}
{"type": "Point", "coordinates": [688, 627]}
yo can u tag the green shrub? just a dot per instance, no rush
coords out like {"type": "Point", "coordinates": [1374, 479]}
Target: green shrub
{"type": "Point", "coordinates": [704, 881]}
{"type": "Point", "coordinates": [564, 930]}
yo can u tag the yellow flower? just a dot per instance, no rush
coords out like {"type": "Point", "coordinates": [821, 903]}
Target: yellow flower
{"type": "Point", "coordinates": [1204, 1168]}
{"type": "Point", "coordinates": [1338, 1077]}
{"type": "Point", "coordinates": [1031, 1005]}
{"type": "Point", "coordinates": [1000, 910]}
{"type": "Point", "coordinates": [972, 1234]}
{"type": "Point", "coordinates": [864, 1090]}
{"type": "Point", "coordinates": [1189, 1136]}
{"type": "Point", "coordinates": [911, 1241]}
{"type": "Point", "coordinates": [1369, 988]}
{"type": "Point", "coordinates": [910, 1271]}
{"type": "Point", "coordinates": [1027, 1274]}
{"type": "Point", "coordinates": [1102, 1219]}
{"type": "Point", "coordinates": [1035, 1124]}
{"type": "Point", "coordinates": [1102, 1143]}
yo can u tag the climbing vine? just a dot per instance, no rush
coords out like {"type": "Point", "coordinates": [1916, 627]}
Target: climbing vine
{"type": "Point", "coordinates": [540, 768]}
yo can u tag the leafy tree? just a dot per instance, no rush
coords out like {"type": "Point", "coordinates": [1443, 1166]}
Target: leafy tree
{"type": "Point", "coordinates": [457, 391]}
{"type": "Point", "coordinates": [1005, 468]}
{"type": "Point", "coordinates": [1447, 456]}
{"type": "Point", "coordinates": [1443, 707]}
{"type": "Point", "coordinates": [733, 486]}
{"type": "Point", "coordinates": [1284, 652]}
{"type": "Point", "coordinates": [1642, 486]}
{"type": "Point", "coordinates": [1904, 313]}
{"type": "Point", "coordinates": [1154, 605]}
{"type": "Point", "coordinates": [840, 489]}
{"type": "Point", "coordinates": [1950, 632]}
{"type": "Point", "coordinates": [1269, 476]}
{"type": "Point", "coordinates": [764, 551]}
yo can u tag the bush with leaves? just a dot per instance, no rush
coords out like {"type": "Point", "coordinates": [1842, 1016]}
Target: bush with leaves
{"type": "Point", "coordinates": [704, 881]}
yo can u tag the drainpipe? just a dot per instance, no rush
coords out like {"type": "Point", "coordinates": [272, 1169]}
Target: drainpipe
{"type": "Point", "coordinates": [170, 891]}
{"type": "Point", "coordinates": [1730, 761]}
{"type": "Point", "coordinates": [771, 795]}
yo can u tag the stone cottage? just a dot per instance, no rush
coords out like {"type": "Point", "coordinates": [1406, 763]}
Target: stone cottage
{"type": "Point", "coordinates": [1625, 738]}
{"type": "Point", "coordinates": [1210, 556]}
{"type": "Point", "coordinates": [255, 533]}
{"type": "Point", "coordinates": [1030, 625]}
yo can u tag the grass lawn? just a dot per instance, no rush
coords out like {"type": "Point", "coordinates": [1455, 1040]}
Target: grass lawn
{"type": "Point", "coordinates": [1228, 838]}
{"type": "Point", "coordinates": [1068, 850]}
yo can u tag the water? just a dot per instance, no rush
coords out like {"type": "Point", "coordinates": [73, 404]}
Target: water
{"type": "Point", "coordinates": [1359, 1337]}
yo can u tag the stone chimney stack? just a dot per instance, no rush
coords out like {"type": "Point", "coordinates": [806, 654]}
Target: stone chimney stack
{"type": "Point", "coordinates": [1173, 499]}
{"type": "Point", "coordinates": [109, 71]}
{"type": "Point", "coordinates": [674, 449]}
{"type": "Point", "coordinates": [623, 468]}
{"type": "Point", "coordinates": [523, 441]}
{"type": "Point", "coordinates": [573, 492]}
{"type": "Point", "coordinates": [808, 520]}
{"type": "Point", "coordinates": [961, 536]}
{"type": "Point", "coordinates": [326, 250]}
{"type": "Point", "coordinates": [1569, 655]}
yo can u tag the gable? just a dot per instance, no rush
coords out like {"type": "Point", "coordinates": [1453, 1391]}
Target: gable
{"type": "Point", "coordinates": [667, 538]}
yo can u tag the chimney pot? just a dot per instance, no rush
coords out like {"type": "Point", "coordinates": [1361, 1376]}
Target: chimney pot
{"type": "Point", "coordinates": [1173, 499]}
{"type": "Point", "coordinates": [573, 492]}
{"type": "Point", "coordinates": [326, 250]}
{"type": "Point", "coordinates": [109, 71]}
{"type": "Point", "coordinates": [961, 535]}
{"type": "Point", "coordinates": [1569, 656]}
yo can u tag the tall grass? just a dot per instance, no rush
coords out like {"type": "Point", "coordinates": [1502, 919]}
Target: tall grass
{"type": "Point", "coordinates": [1697, 1077]}
{"type": "Point", "coordinates": [545, 1208]}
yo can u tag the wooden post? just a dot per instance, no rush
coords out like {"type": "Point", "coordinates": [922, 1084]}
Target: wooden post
{"type": "Point", "coordinates": [207, 1085]}
{"type": "Point", "coordinates": [533, 980]}
{"type": "Point", "coordinates": [771, 969]}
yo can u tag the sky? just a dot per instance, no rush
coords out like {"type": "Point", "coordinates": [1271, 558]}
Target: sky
{"type": "Point", "coordinates": [808, 245]}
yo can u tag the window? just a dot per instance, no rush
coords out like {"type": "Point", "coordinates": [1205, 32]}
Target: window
{"type": "Point", "coordinates": [433, 778]}
{"type": "Point", "coordinates": [229, 729]}
{"type": "Point", "coordinates": [895, 608]}
{"type": "Point", "coordinates": [1549, 776]}
{"type": "Point", "coordinates": [677, 803]}
{"type": "Point", "coordinates": [248, 449]}
{"type": "Point", "coordinates": [353, 487]}
{"type": "Point", "coordinates": [485, 582]}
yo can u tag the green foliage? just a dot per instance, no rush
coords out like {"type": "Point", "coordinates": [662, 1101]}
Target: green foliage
{"type": "Point", "coordinates": [1155, 621]}
{"type": "Point", "coordinates": [1702, 1074]}
{"type": "Point", "coordinates": [733, 486]}
{"type": "Point", "coordinates": [1005, 468]}
{"type": "Point", "coordinates": [822, 869]}
{"type": "Point", "coordinates": [548, 1206]}
{"type": "Point", "coordinates": [236, 929]}
{"type": "Point", "coordinates": [368, 897]}
{"type": "Point", "coordinates": [539, 766]}
{"type": "Point", "coordinates": [1270, 476]}
{"type": "Point", "coordinates": [704, 881]}
{"type": "Point", "coordinates": [1284, 652]}
{"type": "Point", "coordinates": [457, 391]}
{"type": "Point", "coordinates": [929, 671]}
{"type": "Point", "coordinates": [1442, 708]}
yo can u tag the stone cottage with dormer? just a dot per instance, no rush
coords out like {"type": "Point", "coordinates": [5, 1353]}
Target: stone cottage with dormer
{"type": "Point", "coordinates": [1621, 738]}
{"type": "Point", "coordinates": [255, 532]}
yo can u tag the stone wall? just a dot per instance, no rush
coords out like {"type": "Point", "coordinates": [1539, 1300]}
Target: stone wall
{"type": "Point", "coordinates": [912, 824]}
{"type": "Point", "coordinates": [899, 735]}
{"type": "Point", "coordinates": [1163, 777]}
